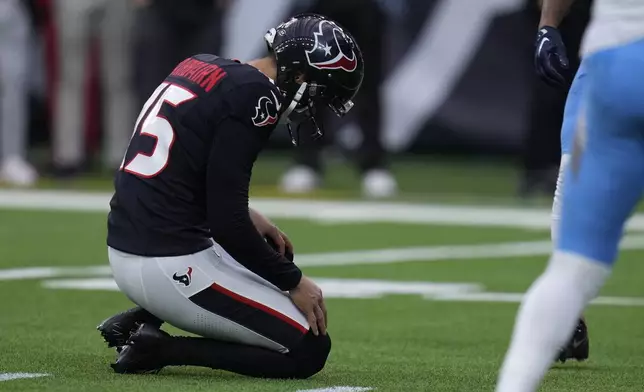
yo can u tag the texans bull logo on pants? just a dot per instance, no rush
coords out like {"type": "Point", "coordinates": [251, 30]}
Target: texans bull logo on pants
{"type": "Point", "coordinates": [185, 278]}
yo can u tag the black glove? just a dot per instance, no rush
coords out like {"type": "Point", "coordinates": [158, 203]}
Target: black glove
{"type": "Point", "coordinates": [550, 57]}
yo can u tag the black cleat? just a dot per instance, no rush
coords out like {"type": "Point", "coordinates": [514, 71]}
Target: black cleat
{"type": "Point", "coordinates": [579, 345]}
{"type": "Point", "coordinates": [116, 330]}
{"type": "Point", "coordinates": [141, 354]}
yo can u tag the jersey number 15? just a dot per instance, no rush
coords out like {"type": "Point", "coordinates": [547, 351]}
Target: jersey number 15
{"type": "Point", "coordinates": [152, 124]}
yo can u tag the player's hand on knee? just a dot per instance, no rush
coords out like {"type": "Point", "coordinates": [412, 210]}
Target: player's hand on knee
{"type": "Point", "coordinates": [307, 296]}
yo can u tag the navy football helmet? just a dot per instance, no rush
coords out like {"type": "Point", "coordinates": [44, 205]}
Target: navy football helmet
{"type": "Point", "coordinates": [318, 63]}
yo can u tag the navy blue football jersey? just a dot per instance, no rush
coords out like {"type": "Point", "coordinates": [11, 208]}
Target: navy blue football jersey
{"type": "Point", "coordinates": [185, 176]}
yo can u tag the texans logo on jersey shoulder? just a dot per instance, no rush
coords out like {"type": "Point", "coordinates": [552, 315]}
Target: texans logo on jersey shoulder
{"type": "Point", "coordinates": [267, 110]}
{"type": "Point", "coordinates": [330, 55]}
{"type": "Point", "coordinates": [184, 279]}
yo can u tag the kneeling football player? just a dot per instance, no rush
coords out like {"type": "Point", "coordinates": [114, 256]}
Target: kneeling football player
{"type": "Point", "coordinates": [183, 243]}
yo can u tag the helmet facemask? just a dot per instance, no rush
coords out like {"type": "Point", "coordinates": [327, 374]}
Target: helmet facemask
{"type": "Point", "coordinates": [303, 106]}
{"type": "Point", "coordinates": [300, 110]}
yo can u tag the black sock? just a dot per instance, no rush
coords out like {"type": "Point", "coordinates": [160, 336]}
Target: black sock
{"type": "Point", "coordinates": [302, 362]}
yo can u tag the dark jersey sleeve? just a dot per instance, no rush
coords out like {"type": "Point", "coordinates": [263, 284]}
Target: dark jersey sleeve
{"type": "Point", "coordinates": [239, 139]}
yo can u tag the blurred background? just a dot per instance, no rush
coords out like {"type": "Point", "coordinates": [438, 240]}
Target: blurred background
{"type": "Point", "coordinates": [451, 125]}
{"type": "Point", "coordinates": [450, 106]}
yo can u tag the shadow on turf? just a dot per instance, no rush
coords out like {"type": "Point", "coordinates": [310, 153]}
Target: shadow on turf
{"type": "Point", "coordinates": [579, 367]}
{"type": "Point", "coordinates": [220, 375]}
{"type": "Point", "coordinates": [192, 372]}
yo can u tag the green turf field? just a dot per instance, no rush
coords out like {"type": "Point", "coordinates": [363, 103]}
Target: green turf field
{"type": "Point", "coordinates": [422, 339]}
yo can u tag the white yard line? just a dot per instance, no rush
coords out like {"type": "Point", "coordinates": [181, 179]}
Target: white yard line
{"type": "Point", "coordinates": [427, 254]}
{"type": "Point", "coordinates": [377, 256]}
{"type": "Point", "coordinates": [54, 200]}
{"type": "Point", "coordinates": [53, 272]}
{"type": "Point", "coordinates": [444, 252]}
{"type": "Point", "coordinates": [93, 284]}
{"type": "Point", "coordinates": [332, 287]}
{"type": "Point", "coordinates": [17, 376]}
{"type": "Point", "coordinates": [370, 289]}
{"type": "Point", "coordinates": [518, 297]}
{"type": "Point", "coordinates": [321, 211]}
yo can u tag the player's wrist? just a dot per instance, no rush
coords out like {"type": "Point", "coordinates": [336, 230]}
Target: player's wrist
{"type": "Point", "coordinates": [545, 29]}
{"type": "Point", "coordinates": [294, 281]}
{"type": "Point", "coordinates": [548, 23]}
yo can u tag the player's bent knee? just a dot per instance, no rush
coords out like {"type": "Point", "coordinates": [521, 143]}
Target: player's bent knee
{"type": "Point", "coordinates": [312, 355]}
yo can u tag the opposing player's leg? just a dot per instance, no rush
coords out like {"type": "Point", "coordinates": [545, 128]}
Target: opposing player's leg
{"type": "Point", "coordinates": [248, 326]}
{"type": "Point", "coordinates": [604, 183]}
{"type": "Point", "coordinates": [570, 122]}
{"type": "Point", "coordinates": [579, 345]}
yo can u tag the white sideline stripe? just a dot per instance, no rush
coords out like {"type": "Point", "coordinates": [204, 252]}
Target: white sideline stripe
{"type": "Point", "coordinates": [518, 297]}
{"type": "Point", "coordinates": [52, 272]}
{"type": "Point", "coordinates": [17, 376]}
{"type": "Point", "coordinates": [321, 211]}
{"type": "Point", "coordinates": [338, 389]}
{"type": "Point", "coordinates": [377, 256]}
{"type": "Point", "coordinates": [106, 284]}
{"type": "Point", "coordinates": [370, 289]}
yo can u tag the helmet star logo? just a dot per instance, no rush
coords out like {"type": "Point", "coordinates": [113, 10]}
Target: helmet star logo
{"type": "Point", "coordinates": [327, 49]}
{"type": "Point", "coordinates": [331, 40]}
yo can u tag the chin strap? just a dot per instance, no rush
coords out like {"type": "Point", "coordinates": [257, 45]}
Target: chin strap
{"type": "Point", "coordinates": [296, 100]}
{"type": "Point", "coordinates": [284, 118]}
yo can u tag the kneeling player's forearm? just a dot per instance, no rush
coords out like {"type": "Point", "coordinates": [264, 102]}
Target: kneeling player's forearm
{"type": "Point", "coordinates": [237, 234]}
{"type": "Point", "coordinates": [228, 178]}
